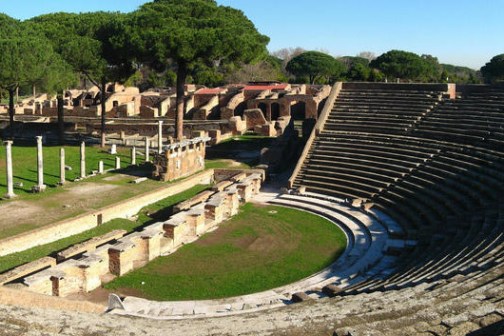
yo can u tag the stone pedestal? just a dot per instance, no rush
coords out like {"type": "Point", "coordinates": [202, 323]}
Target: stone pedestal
{"type": "Point", "coordinates": [10, 179]}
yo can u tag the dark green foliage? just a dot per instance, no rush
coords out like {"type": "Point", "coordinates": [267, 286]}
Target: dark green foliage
{"type": "Point", "coordinates": [408, 66]}
{"type": "Point", "coordinates": [94, 44]}
{"type": "Point", "coordinates": [268, 68]}
{"type": "Point", "coordinates": [357, 68]}
{"type": "Point", "coordinates": [27, 58]}
{"type": "Point", "coordinates": [459, 74]}
{"type": "Point", "coordinates": [316, 66]}
{"type": "Point", "coordinates": [189, 34]}
{"type": "Point", "coordinates": [494, 70]}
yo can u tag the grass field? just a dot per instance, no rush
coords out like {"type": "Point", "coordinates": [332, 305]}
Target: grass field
{"type": "Point", "coordinates": [261, 248]}
{"type": "Point", "coordinates": [150, 214]}
{"type": "Point", "coordinates": [25, 164]}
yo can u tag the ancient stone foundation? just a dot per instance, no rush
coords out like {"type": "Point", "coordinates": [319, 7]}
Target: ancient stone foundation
{"type": "Point", "coordinates": [86, 266]}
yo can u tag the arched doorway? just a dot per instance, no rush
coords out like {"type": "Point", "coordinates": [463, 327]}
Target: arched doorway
{"type": "Point", "coordinates": [298, 110]}
{"type": "Point", "coordinates": [240, 108]}
{"type": "Point", "coordinates": [263, 107]}
{"type": "Point", "coordinates": [275, 111]}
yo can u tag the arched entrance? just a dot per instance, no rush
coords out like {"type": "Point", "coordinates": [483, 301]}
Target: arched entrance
{"type": "Point", "coordinates": [298, 110]}
{"type": "Point", "coordinates": [263, 107]}
{"type": "Point", "coordinates": [275, 111]}
{"type": "Point", "coordinates": [240, 108]}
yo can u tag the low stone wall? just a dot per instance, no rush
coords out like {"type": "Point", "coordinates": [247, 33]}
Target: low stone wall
{"type": "Point", "coordinates": [123, 209]}
{"type": "Point", "coordinates": [138, 248]}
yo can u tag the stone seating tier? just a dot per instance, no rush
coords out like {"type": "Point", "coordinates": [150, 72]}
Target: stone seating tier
{"type": "Point", "coordinates": [444, 189]}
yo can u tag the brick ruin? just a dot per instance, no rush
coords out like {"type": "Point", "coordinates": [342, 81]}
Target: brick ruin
{"type": "Point", "coordinates": [131, 111]}
{"type": "Point", "coordinates": [180, 159]}
{"type": "Point", "coordinates": [86, 266]}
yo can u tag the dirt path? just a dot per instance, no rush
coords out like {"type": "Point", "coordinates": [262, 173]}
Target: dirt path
{"type": "Point", "coordinates": [71, 200]}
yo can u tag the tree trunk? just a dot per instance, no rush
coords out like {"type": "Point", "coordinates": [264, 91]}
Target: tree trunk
{"type": "Point", "coordinates": [34, 91]}
{"type": "Point", "coordinates": [103, 112]}
{"type": "Point", "coordinates": [61, 120]}
{"type": "Point", "coordinates": [179, 117]}
{"type": "Point", "coordinates": [12, 92]}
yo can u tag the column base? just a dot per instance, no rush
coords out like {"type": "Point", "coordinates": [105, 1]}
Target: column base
{"type": "Point", "coordinates": [39, 188]}
{"type": "Point", "coordinates": [9, 196]}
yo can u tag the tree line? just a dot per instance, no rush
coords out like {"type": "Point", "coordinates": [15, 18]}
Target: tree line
{"type": "Point", "coordinates": [318, 67]}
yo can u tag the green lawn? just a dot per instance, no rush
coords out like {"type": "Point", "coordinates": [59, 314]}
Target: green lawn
{"type": "Point", "coordinates": [225, 164]}
{"type": "Point", "coordinates": [25, 164]}
{"type": "Point", "coordinates": [261, 248]}
{"type": "Point", "coordinates": [152, 213]}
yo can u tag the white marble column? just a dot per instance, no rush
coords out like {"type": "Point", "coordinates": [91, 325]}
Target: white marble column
{"type": "Point", "coordinates": [83, 159]}
{"type": "Point", "coordinates": [133, 156]}
{"type": "Point", "coordinates": [160, 137]}
{"type": "Point", "coordinates": [40, 187]}
{"type": "Point", "coordinates": [62, 167]}
{"type": "Point", "coordinates": [10, 178]}
{"type": "Point", "coordinates": [117, 162]}
{"type": "Point", "coordinates": [147, 149]}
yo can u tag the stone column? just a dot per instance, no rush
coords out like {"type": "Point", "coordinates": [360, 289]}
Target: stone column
{"type": "Point", "coordinates": [117, 162]}
{"type": "Point", "coordinates": [62, 167]}
{"type": "Point", "coordinates": [83, 159]}
{"type": "Point", "coordinates": [160, 136]}
{"type": "Point", "coordinates": [100, 167]}
{"type": "Point", "coordinates": [10, 179]}
{"type": "Point", "coordinates": [40, 187]}
{"type": "Point", "coordinates": [147, 149]}
{"type": "Point", "coordinates": [133, 156]}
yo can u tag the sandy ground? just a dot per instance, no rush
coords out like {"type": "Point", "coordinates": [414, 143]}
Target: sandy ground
{"type": "Point", "coordinates": [18, 211]}
{"type": "Point", "coordinates": [73, 200]}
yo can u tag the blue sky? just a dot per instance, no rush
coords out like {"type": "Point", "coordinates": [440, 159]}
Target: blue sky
{"type": "Point", "coordinates": [461, 32]}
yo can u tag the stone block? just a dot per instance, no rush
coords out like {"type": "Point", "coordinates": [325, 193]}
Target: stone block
{"type": "Point", "coordinates": [331, 290]}
{"type": "Point", "coordinates": [90, 245]}
{"type": "Point", "coordinates": [245, 191]}
{"type": "Point", "coordinates": [121, 258]}
{"type": "Point", "coordinates": [26, 269]}
{"type": "Point", "coordinates": [196, 221]}
{"type": "Point", "coordinates": [253, 118]}
{"type": "Point", "coordinates": [199, 198]}
{"type": "Point", "coordinates": [300, 297]}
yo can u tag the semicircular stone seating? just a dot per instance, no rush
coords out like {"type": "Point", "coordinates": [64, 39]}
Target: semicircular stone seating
{"type": "Point", "coordinates": [367, 238]}
{"type": "Point", "coordinates": [430, 170]}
